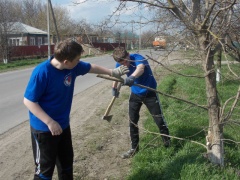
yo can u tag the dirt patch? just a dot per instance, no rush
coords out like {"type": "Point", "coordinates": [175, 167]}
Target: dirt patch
{"type": "Point", "coordinates": [97, 143]}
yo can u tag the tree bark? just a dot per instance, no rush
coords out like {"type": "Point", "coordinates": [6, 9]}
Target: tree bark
{"type": "Point", "coordinates": [215, 148]}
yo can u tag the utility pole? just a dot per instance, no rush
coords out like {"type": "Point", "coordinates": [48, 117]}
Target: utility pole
{"type": "Point", "coordinates": [132, 35]}
{"type": "Point", "coordinates": [54, 20]}
{"type": "Point", "coordinates": [140, 32]}
{"type": "Point", "coordinates": [48, 27]}
{"type": "Point", "coordinates": [140, 29]}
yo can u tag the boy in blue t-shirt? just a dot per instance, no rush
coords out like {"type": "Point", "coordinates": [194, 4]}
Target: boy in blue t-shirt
{"type": "Point", "coordinates": [139, 73]}
{"type": "Point", "coordinates": [48, 97]}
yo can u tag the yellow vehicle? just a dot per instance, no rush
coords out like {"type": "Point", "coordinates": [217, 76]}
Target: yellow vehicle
{"type": "Point", "coordinates": [159, 43]}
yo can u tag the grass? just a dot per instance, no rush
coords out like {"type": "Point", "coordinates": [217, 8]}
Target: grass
{"type": "Point", "coordinates": [20, 64]}
{"type": "Point", "coordinates": [193, 54]}
{"type": "Point", "coordinates": [185, 160]}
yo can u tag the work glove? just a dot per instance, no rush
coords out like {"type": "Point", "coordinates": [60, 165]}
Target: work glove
{"type": "Point", "coordinates": [129, 81]}
{"type": "Point", "coordinates": [118, 72]}
{"type": "Point", "coordinates": [115, 92]}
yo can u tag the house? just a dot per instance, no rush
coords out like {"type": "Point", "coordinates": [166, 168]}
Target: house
{"type": "Point", "coordinates": [25, 41]}
{"type": "Point", "coordinates": [20, 34]}
{"type": "Point", "coordinates": [20, 41]}
{"type": "Point", "coordinates": [89, 38]}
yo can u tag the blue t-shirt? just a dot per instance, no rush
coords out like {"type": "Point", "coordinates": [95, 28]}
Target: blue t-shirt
{"type": "Point", "coordinates": [146, 79]}
{"type": "Point", "coordinates": [53, 90]}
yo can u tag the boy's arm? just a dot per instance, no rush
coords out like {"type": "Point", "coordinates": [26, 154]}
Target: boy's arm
{"type": "Point", "coordinates": [139, 71]}
{"type": "Point", "coordinates": [100, 70]}
{"type": "Point", "coordinates": [53, 126]}
{"type": "Point", "coordinates": [114, 84]}
{"type": "Point", "coordinates": [129, 81]}
{"type": "Point", "coordinates": [116, 72]}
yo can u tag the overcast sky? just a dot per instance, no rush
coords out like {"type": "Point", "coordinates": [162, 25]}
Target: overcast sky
{"type": "Point", "coordinates": [92, 10]}
{"type": "Point", "coordinates": [95, 11]}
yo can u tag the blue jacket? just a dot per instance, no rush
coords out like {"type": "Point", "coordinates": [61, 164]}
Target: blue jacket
{"type": "Point", "coordinates": [53, 90]}
{"type": "Point", "coordinates": [146, 79]}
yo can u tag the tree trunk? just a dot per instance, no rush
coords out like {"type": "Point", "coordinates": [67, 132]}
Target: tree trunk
{"type": "Point", "coordinates": [214, 138]}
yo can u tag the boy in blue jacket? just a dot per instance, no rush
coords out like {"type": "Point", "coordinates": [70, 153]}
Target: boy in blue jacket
{"type": "Point", "coordinates": [48, 97]}
{"type": "Point", "coordinates": [139, 73]}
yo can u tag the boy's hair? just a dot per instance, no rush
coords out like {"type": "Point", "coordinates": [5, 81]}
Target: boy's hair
{"type": "Point", "coordinates": [119, 54]}
{"type": "Point", "coordinates": [67, 50]}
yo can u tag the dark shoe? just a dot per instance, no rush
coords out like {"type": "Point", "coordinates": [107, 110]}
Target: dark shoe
{"type": "Point", "coordinates": [166, 141]}
{"type": "Point", "coordinates": [129, 153]}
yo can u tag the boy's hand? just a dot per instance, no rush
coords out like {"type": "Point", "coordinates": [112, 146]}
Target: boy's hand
{"type": "Point", "coordinates": [129, 81]}
{"type": "Point", "coordinates": [118, 72]}
{"type": "Point", "coordinates": [115, 92]}
{"type": "Point", "coordinates": [55, 128]}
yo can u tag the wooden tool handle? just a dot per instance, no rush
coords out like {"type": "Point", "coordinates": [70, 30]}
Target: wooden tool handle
{"type": "Point", "coordinates": [112, 101]}
{"type": "Point", "coordinates": [109, 106]}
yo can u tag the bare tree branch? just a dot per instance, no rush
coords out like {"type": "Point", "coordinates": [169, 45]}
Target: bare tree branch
{"type": "Point", "coordinates": [151, 89]}
{"type": "Point", "coordinates": [175, 71]}
{"type": "Point", "coordinates": [237, 98]}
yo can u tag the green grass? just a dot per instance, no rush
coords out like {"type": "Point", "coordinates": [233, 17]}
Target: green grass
{"type": "Point", "coordinates": [19, 64]}
{"type": "Point", "coordinates": [185, 160]}
{"type": "Point", "coordinates": [192, 54]}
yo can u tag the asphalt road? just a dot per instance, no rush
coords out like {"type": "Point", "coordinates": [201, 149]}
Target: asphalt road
{"type": "Point", "coordinates": [13, 85]}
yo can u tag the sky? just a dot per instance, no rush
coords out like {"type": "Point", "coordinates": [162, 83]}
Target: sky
{"type": "Point", "coordinates": [95, 11]}
{"type": "Point", "coordinates": [92, 11]}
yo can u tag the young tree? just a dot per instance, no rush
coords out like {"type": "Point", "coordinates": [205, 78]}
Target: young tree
{"type": "Point", "coordinates": [208, 22]}
{"type": "Point", "coordinates": [204, 25]}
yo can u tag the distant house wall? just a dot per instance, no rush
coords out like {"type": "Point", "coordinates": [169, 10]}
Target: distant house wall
{"type": "Point", "coordinates": [107, 46]}
{"type": "Point", "coordinates": [17, 52]}
{"type": "Point", "coordinates": [94, 38]}
{"type": "Point", "coordinates": [27, 40]}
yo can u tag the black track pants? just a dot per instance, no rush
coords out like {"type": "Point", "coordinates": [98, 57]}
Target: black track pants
{"type": "Point", "coordinates": [49, 151]}
{"type": "Point", "coordinates": [153, 105]}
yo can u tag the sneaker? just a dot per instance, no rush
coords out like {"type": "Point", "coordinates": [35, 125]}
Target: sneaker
{"type": "Point", "coordinates": [166, 141]}
{"type": "Point", "coordinates": [129, 153]}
